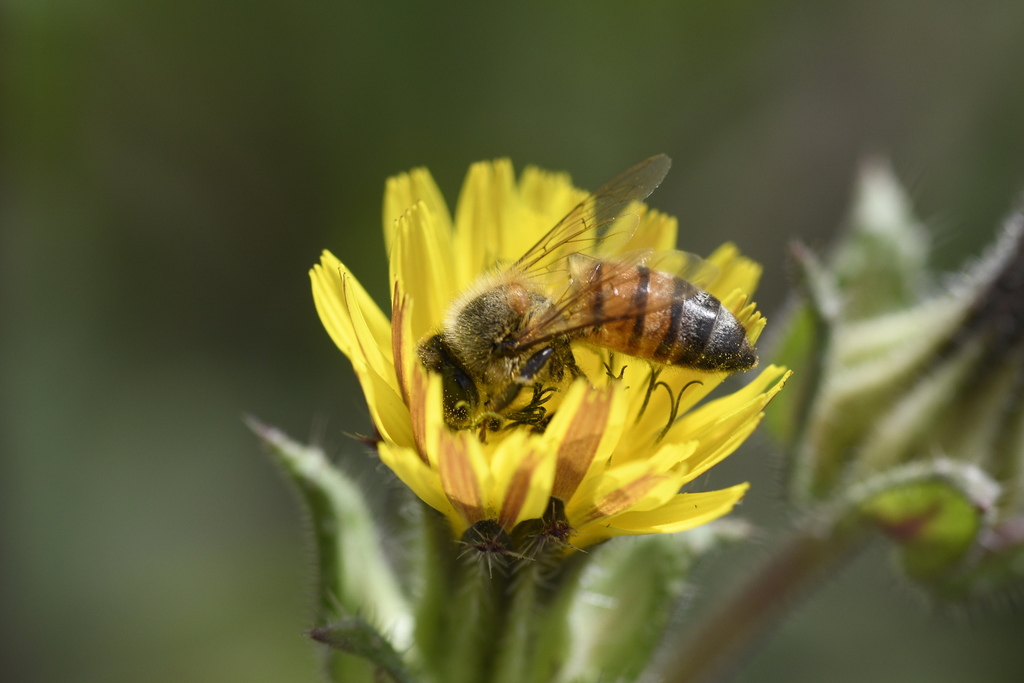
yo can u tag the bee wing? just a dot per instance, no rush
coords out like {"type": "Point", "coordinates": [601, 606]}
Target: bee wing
{"type": "Point", "coordinates": [613, 283]}
{"type": "Point", "coordinates": [593, 221]}
{"type": "Point", "coordinates": [685, 266]}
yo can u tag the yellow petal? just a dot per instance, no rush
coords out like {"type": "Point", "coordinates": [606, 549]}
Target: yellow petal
{"type": "Point", "coordinates": [722, 425]}
{"type": "Point", "coordinates": [359, 328]}
{"type": "Point", "coordinates": [387, 410]}
{"type": "Point", "coordinates": [464, 476]}
{"type": "Point", "coordinates": [545, 199]}
{"type": "Point", "coordinates": [685, 511]}
{"type": "Point", "coordinates": [336, 292]}
{"type": "Point", "coordinates": [620, 489]}
{"type": "Point", "coordinates": [739, 405]}
{"type": "Point", "coordinates": [664, 463]}
{"type": "Point", "coordinates": [418, 267]}
{"type": "Point", "coordinates": [484, 218]}
{"type": "Point", "coordinates": [735, 271]}
{"type": "Point", "coordinates": [523, 475]}
{"type": "Point", "coordinates": [656, 231]}
{"type": "Point", "coordinates": [406, 190]}
{"type": "Point", "coordinates": [423, 480]}
{"type": "Point", "coordinates": [585, 429]}
{"type": "Point", "coordinates": [714, 451]}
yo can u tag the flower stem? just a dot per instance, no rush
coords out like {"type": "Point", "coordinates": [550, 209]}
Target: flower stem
{"type": "Point", "coordinates": [474, 624]}
{"type": "Point", "coordinates": [515, 655]}
{"type": "Point", "coordinates": [726, 638]}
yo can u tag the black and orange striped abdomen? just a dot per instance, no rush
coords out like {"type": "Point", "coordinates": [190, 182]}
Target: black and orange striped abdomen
{"type": "Point", "coordinates": [660, 317]}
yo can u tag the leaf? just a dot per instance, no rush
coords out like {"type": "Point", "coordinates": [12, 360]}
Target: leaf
{"type": "Point", "coordinates": [354, 575]}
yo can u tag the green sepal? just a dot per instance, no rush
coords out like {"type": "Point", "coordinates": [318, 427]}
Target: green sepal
{"type": "Point", "coordinates": [867, 395]}
{"type": "Point", "coordinates": [881, 265]}
{"type": "Point", "coordinates": [354, 576]}
{"type": "Point", "coordinates": [803, 345]}
{"type": "Point", "coordinates": [354, 636]}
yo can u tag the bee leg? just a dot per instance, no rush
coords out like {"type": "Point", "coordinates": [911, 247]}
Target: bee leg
{"type": "Point", "coordinates": [575, 370]}
{"type": "Point", "coordinates": [674, 400]}
{"type": "Point", "coordinates": [534, 364]}
{"type": "Point", "coordinates": [504, 398]}
{"type": "Point", "coordinates": [564, 360]}
{"type": "Point", "coordinates": [534, 413]}
{"type": "Point", "coordinates": [610, 364]}
{"type": "Point", "coordinates": [652, 384]}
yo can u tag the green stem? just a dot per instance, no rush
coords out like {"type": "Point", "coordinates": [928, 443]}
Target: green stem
{"type": "Point", "coordinates": [518, 639]}
{"type": "Point", "coordinates": [474, 623]}
{"type": "Point", "coordinates": [435, 569]}
{"type": "Point", "coordinates": [725, 639]}
{"type": "Point", "coordinates": [535, 639]}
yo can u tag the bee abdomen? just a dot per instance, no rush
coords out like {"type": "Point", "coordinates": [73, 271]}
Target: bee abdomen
{"type": "Point", "coordinates": [704, 335]}
{"type": "Point", "coordinates": [671, 321]}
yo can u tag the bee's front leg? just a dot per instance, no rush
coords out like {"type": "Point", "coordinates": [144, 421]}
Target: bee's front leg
{"type": "Point", "coordinates": [504, 397]}
{"type": "Point", "coordinates": [534, 364]}
{"type": "Point", "coordinates": [534, 413]}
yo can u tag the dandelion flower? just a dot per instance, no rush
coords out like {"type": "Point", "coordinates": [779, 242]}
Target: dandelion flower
{"type": "Point", "coordinates": [622, 442]}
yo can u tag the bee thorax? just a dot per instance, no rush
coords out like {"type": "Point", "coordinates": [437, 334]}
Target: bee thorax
{"type": "Point", "coordinates": [482, 331]}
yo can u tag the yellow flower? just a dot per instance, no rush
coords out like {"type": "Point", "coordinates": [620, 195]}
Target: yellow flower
{"type": "Point", "coordinates": [618, 449]}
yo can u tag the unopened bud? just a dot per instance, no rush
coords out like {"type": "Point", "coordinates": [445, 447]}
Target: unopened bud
{"type": "Point", "coordinates": [900, 381]}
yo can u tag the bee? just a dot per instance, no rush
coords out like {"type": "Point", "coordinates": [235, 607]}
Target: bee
{"type": "Point", "coordinates": [505, 345]}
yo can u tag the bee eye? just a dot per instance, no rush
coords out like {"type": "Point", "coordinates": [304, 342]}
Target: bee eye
{"type": "Point", "coordinates": [460, 396]}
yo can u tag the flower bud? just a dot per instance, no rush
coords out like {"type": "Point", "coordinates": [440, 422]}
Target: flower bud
{"type": "Point", "coordinates": [902, 381]}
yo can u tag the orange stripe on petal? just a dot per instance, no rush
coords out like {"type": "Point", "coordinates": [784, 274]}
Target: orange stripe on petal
{"type": "Point", "coordinates": [459, 478]}
{"type": "Point", "coordinates": [581, 440]}
{"type": "Point", "coordinates": [527, 491]}
{"type": "Point", "coordinates": [621, 499]}
{"type": "Point", "coordinates": [420, 406]}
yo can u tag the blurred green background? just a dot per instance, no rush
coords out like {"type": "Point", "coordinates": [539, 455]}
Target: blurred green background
{"type": "Point", "coordinates": [170, 171]}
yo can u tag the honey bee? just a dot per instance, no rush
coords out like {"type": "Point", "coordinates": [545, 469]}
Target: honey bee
{"type": "Point", "coordinates": [506, 344]}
